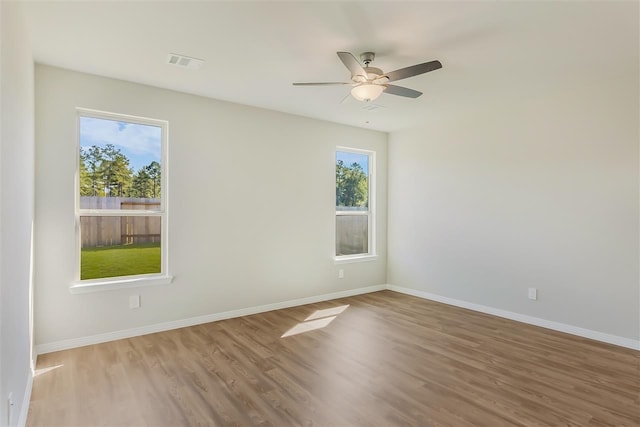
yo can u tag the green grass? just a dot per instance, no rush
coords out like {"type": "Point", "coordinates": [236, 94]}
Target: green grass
{"type": "Point", "coordinates": [121, 260]}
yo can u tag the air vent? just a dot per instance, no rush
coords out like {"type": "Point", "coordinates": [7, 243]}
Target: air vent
{"type": "Point", "coordinates": [184, 61]}
{"type": "Point", "coordinates": [372, 107]}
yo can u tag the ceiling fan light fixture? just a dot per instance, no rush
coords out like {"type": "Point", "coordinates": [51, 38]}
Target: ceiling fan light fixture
{"type": "Point", "coordinates": [367, 91]}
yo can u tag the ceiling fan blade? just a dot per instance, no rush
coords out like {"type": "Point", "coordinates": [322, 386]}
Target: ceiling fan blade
{"type": "Point", "coordinates": [352, 64]}
{"type": "Point", "coordinates": [322, 84]}
{"type": "Point", "coordinates": [414, 70]}
{"type": "Point", "coordinates": [402, 91]}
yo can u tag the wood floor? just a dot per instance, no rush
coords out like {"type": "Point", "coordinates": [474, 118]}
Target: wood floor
{"type": "Point", "coordinates": [387, 359]}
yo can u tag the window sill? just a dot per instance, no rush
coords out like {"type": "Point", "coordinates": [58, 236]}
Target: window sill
{"type": "Point", "coordinates": [354, 258]}
{"type": "Point", "coordinates": [99, 285]}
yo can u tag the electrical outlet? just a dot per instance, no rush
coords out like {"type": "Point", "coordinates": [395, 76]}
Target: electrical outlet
{"type": "Point", "coordinates": [9, 408]}
{"type": "Point", "coordinates": [134, 301]}
{"type": "Point", "coordinates": [341, 274]}
{"type": "Point", "coordinates": [533, 293]}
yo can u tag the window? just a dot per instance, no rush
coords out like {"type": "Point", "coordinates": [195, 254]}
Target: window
{"type": "Point", "coordinates": [121, 199]}
{"type": "Point", "coordinates": [354, 203]}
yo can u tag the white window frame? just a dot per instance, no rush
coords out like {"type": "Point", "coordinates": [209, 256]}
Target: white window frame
{"type": "Point", "coordinates": [108, 283]}
{"type": "Point", "coordinates": [371, 212]}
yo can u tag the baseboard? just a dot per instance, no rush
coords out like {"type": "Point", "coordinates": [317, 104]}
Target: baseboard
{"type": "Point", "coordinates": [24, 409]}
{"type": "Point", "coordinates": [556, 326]}
{"type": "Point", "coordinates": [160, 327]}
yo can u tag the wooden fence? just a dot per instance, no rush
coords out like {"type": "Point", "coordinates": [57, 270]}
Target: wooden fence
{"type": "Point", "coordinates": [351, 230]}
{"type": "Point", "coordinates": [352, 234]}
{"type": "Point", "coordinates": [99, 231]}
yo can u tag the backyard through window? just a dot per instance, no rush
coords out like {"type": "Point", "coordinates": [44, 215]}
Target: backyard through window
{"type": "Point", "coordinates": [120, 197]}
{"type": "Point", "coordinates": [353, 211]}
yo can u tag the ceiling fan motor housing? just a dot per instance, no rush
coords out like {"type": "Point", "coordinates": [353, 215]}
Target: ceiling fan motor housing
{"type": "Point", "coordinates": [373, 72]}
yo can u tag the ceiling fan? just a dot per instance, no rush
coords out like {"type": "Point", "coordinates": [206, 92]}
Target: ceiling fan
{"type": "Point", "coordinates": [370, 82]}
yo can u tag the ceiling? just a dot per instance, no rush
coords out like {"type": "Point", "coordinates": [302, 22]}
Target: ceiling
{"type": "Point", "coordinates": [253, 51]}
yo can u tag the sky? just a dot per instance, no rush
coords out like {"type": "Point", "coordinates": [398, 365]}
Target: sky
{"type": "Point", "coordinates": [142, 144]}
{"type": "Point", "coordinates": [349, 158]}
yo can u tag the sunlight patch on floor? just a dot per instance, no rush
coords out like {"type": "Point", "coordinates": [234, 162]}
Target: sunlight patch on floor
{"type": "Point", "coordinates": [308, 326]}
{"type": "Point", "coordinates": [318, 320]}
{"type": "Point", "coordinates": [45, 370]}
{"type": "Point", "coordinates": [327, 312]}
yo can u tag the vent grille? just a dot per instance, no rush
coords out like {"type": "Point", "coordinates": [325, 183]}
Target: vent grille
{"type": "Point", "coordinates": [372, 107]}
{"type": "Point", "coordinates": [184, 61]}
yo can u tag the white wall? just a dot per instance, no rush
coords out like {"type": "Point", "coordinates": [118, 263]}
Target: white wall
{"type": "Point", "coordinates": [536, 186]}
{"type": "Point", "coordinates": [251, 207]}
{"type": "Point", "coordinates": [16, 210]}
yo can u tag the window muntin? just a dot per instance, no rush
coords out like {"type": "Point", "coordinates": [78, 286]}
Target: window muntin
{"type": "Point", "coordinates": [354, 216]}
{"type": "Point", "coordinates": [121, 196]}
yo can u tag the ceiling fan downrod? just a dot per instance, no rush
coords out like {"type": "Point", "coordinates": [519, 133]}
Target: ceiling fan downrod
{"type": "Point", "coordinates": [367, 58]}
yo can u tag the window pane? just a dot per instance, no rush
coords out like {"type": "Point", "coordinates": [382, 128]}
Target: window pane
{"type": "Point", "coordinates": [352, 181]}
{"type": "Point", "coordinates": [115, 246]}
{"type": "Point", "coordinates": [352, 234]}
{"type": "Point", "coordinates": [119, 159]}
